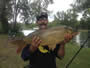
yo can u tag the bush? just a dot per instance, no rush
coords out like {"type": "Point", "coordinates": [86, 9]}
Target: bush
{"type": "Point", "coordinates": [15, 31]}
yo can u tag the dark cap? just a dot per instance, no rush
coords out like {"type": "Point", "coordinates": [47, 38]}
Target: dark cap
{"type": "Point", "coordinates": [42, 15]}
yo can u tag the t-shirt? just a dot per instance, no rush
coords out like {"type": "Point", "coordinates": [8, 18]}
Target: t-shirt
{"type": "Point", "coordinates": [38, 59]}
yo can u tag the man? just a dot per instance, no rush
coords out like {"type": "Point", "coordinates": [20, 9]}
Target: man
{"type": "Point", "coordinates": [43, 60]}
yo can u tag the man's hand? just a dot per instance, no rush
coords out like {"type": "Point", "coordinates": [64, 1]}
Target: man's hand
{"type": "Point", "coordinates": [68, 36]}
{"type": "Point", "coordinates": [35, 43]}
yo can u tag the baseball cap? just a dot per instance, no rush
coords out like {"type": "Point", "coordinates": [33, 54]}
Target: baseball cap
{"type": "Point", "coordinates": [42, 15]}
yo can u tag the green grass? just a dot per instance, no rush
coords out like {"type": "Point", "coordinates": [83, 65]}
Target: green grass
{"type": "Point", "coordinates": [81, 61]}
{"type": "Point", "coordinates": [9, 58]}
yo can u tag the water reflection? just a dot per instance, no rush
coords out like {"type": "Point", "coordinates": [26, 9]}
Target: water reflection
{"type": "Point", "coordinates": [26, 32]}
{"type": "Point", "coordinates": [78, 39]}
{"type": "Point", "coordinates": [81, 37]}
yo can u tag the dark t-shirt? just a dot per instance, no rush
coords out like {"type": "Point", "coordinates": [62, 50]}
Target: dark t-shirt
{"type": "Point", "coordinates": [38, 59]}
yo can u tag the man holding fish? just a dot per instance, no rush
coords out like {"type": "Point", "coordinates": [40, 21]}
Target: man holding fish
{"type": "Point", "coordinates": [44, 60]}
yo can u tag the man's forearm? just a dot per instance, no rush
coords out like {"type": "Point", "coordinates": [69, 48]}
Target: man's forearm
{"type": "Point", "coordinates": [61, 51]}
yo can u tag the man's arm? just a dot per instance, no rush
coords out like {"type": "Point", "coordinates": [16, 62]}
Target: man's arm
{"type": "Point", "coordinates": [61, 45]}
{"type": "Point", "coordinates": [30, 49]}
{"type": "Point", "coordinates": [61, 50]}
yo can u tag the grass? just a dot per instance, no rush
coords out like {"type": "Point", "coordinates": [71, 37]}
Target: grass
{"type": "Point", "coordinates": [9, 58]}
{"type": "Point", "coordinates": [81, 61]}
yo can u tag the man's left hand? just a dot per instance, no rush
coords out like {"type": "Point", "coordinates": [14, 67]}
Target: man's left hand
{"type": "Point", "coordinates": [68, 37]}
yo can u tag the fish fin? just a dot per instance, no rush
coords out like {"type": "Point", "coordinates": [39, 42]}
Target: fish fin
{"type": "Point", "coordinates": [17, 42]}
{"type": "Point", "coordinates": [20, 44]}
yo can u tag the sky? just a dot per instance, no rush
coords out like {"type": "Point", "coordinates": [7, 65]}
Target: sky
{"type": "Point", "coordinates": [59, 5]}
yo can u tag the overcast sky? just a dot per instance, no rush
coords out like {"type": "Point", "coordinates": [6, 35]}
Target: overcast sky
{"type": "Point", "coordinates": [59, 5]}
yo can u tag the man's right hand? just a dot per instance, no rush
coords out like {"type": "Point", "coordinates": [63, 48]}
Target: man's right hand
{"type": "Point", "coordinates": [35, 43]}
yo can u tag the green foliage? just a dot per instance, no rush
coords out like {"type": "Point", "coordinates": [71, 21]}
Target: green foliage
{"type": "Point", "coordinates": [0, 27]}
{"type": "Point", "coordinates": [28, 26]}
{"type": "Point", "coordinates": [68, 18]}
{"type": "Point", "coordinates": [82, 5]}
{"type": "Point", "coordinates": [3, 16]}
{"type": "Point", "coordinates": [54, 23]}
{"type": "Point", "coordinates": [31, 25]}
{"type": "Point", "coordinates": [85, 20]}
{"type": "Point", "coordinates": [16, 31]}
{"type": "Point", "coordinates": [3, 28]}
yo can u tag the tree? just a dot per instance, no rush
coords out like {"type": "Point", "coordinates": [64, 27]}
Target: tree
{"type": "Point", "coordinates": [68, 18]}
{"type": "Point", "coordinates": [33, 8]}
{"type": "Point", "coordinates": [82, 5]}
{"type": "Point", "coordinates": [26, 10]}
{"type": "Point", "coordinates": [85, 20]}
{"type": "Point", "coordinates": [3, 15]}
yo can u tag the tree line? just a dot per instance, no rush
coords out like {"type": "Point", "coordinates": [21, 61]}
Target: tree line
{"type": "Point", "coordinates": [26, 11]}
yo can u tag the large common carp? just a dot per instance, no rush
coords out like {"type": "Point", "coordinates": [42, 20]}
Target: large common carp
{"type": "Point", "coordinates": [50, 37]}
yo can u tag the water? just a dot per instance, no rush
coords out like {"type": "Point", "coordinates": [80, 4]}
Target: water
{"type": "Point", "coordinates": [78, 39]}
{"type": "Point", "coordinates": [81, 37]}
{"type": "Point", "coordinates": [26, 32]}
